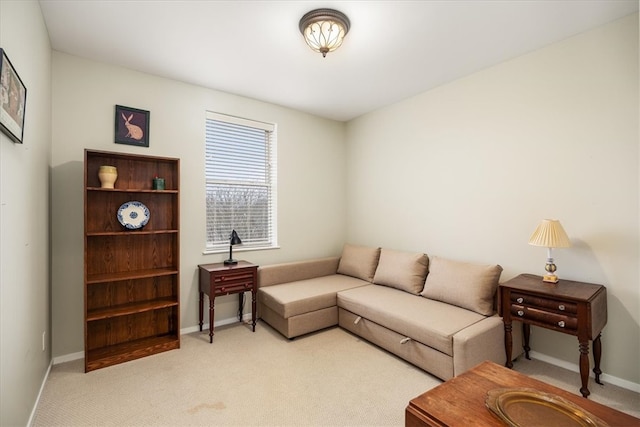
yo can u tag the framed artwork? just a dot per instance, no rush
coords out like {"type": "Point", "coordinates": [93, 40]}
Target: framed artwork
{"type": "Point", "coordinates": [13, 100]}
{"type": "Point", "coordinates": [132, 126]}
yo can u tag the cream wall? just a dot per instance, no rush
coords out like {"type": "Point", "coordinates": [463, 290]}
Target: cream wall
{"type": "Point", "coordinates": [456, 172]}
{"type": "Point", "coordinates": [311, 173]}
{"type": "Point", "coordinates": [24, 219]}
{"type": "Point", "coordinates": [467, 170]}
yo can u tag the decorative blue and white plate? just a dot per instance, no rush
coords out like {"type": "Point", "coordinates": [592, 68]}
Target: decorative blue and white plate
{"type": "Point", "coordinates": [133, 215]}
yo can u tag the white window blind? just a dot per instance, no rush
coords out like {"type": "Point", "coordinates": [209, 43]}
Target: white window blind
{"type": "Point", "coordinates": [240, 171]}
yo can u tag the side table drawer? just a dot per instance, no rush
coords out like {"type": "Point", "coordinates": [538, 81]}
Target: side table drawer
{"type": "Point", "coordinates": [223, 289]}
{"type": "Point", "coordinates": [553, 320]}
{"type": "Point", "coordinates": [233, 277]}
{"type": "Point", "coordinates": [528, 300]}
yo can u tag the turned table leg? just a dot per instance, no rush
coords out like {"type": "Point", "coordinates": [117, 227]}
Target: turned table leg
{"type": "Point", "coordinates": [584, 368]}
{"type": "Point", "coordinates": [597, 354]}
{"type": "Point", "coordinates": [526, 332]}
{"type": "Point", "coordinates": [211, 315]}
{"type": "Point", "coordinates": [253, 308]}
{"type": "Point", "coordinates": [201, 311]}
{"type": "Point", "coordinates": [508, 344]}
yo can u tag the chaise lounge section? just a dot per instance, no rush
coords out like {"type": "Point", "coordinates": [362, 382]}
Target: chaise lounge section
{"type": "Point", "coordinates": [437, 314]}
{"type": "Point", "coordinates": [301, 297]}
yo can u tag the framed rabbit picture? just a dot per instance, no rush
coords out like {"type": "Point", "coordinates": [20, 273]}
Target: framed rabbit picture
{"type": "Point", "coordinates": [132, 126]}
{"type": "Point", "coordinates": [13, 98]}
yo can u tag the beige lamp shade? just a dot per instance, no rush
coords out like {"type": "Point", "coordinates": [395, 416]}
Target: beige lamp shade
{"type": "Point", "coordinates": [550, 234]}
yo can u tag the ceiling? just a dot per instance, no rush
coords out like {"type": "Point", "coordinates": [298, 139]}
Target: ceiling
{"type": "Point", "coordinates": [394, 49]}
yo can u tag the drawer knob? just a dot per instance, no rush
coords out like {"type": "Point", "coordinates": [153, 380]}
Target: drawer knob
{"type": "Point", "coordinates": [223, 289]}
{"type": "Point", "coordinates": [561, 307]}
{"type": "Point", "coordinates": [520, 300]}
{"type": "Point", "coordinates": [561, 323]}
{"type": "Point", "coordinates": [520, 313]}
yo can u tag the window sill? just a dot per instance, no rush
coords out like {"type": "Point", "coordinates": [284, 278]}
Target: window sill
{"type": "Point", "coordinates": [237, 249]}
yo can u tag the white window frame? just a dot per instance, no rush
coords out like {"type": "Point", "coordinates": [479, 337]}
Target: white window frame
{"type": "Point", "coordinates": [257, 178]}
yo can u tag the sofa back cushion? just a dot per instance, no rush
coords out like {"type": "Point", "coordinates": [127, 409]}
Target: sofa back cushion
{"type": "Point", "coordinates": [402, 270]}
{"type": "Point", "coordinates": [359, 261]}
{"type": "Point", "coordinates": [275, 274]}
{"type": "Point", "coordinates": [467, 285]}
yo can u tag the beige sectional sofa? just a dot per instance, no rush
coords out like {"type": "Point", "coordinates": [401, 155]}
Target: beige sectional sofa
{"type": "Point", "coordinates": [435, 313]}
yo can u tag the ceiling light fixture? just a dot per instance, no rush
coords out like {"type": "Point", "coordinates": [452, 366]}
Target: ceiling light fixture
{"type": "Point", "coordinates": [324, 29]}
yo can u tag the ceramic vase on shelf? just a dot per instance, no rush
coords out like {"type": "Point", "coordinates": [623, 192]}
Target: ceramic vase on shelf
{"type": "Point", "coordinates": [108, 176]}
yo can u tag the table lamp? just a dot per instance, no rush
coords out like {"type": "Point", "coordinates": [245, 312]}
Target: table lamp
{"type": "Point", "coordinates": [233, 240]}
{"type": "Point", "coordinates": [550, 234]}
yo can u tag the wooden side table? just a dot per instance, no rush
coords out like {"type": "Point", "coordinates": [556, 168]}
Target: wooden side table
{"type": "Point", "coordinates": [574, 308]}
{"type": "Point", "coordinates": [219, 279]}
{"type": "Point", "coordinates": [461, 401]}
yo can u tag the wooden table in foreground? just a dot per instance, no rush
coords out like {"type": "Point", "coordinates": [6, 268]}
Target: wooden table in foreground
{"type": "Point", "coordinates": [461, 400]}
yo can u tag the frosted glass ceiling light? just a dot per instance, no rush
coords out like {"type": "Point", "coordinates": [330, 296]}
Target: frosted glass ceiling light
{"type": "Point", "coordinates": [324, 29]}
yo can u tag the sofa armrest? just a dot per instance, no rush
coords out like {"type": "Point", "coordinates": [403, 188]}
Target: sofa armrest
{"type": "Point", "coordinates": [482, 341]}
{"type": "Point", "coordinates": [293, 271]}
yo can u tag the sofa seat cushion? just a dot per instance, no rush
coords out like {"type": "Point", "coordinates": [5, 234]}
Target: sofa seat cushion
{"type": "Point", "coordinates": [432, 323]}
{"type": "Point", "coordinates": [303, 296]}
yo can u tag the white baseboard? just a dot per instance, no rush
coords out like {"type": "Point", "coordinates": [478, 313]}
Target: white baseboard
{"type": "Point", "coordinates": [35, 405]}
{"type": "Point", "coordinates": [68, 357]}
{"type": "Point", "coordinates": [247, 316]}
{"type": "Point", "coordinates": [205, 326]}
{"type": "Point", "coordinates": [80, 355]}
{"type": "Point", "coordinates": [575, 368]}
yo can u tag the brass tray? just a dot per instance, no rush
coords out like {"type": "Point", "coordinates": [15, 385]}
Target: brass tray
{"type": "Point", "coordinates": [525, 407]}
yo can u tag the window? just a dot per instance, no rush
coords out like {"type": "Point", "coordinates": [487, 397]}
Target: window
{"type": "Point", "coordinates": [240, 171]}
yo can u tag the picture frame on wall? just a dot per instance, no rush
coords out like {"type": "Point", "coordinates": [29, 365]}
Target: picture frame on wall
{"type": "Point", "coordinates": [132, 126]}
{"type": "Point", "coordinates": [13, 100]}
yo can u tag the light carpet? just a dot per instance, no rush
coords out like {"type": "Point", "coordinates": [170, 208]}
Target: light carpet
{"type": "Point", "coordinates": [328, 378]}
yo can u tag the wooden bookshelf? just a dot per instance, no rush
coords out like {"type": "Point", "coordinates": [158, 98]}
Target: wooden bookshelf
{"type": "Point", "coordinates": [131, 277]}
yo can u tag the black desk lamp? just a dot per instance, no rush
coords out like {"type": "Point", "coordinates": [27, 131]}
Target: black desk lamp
{"type": "Point", "coordinates": [234, 240]}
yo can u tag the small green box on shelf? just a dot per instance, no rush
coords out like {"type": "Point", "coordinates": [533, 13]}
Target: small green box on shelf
{"type": "Point", "coordinates": [158, 183]}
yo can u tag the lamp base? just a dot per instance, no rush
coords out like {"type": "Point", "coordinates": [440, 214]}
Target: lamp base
{"type": "Point", "coordinates": [550, 278]}
{"type": "Point", "coordinates": [230, 262]}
